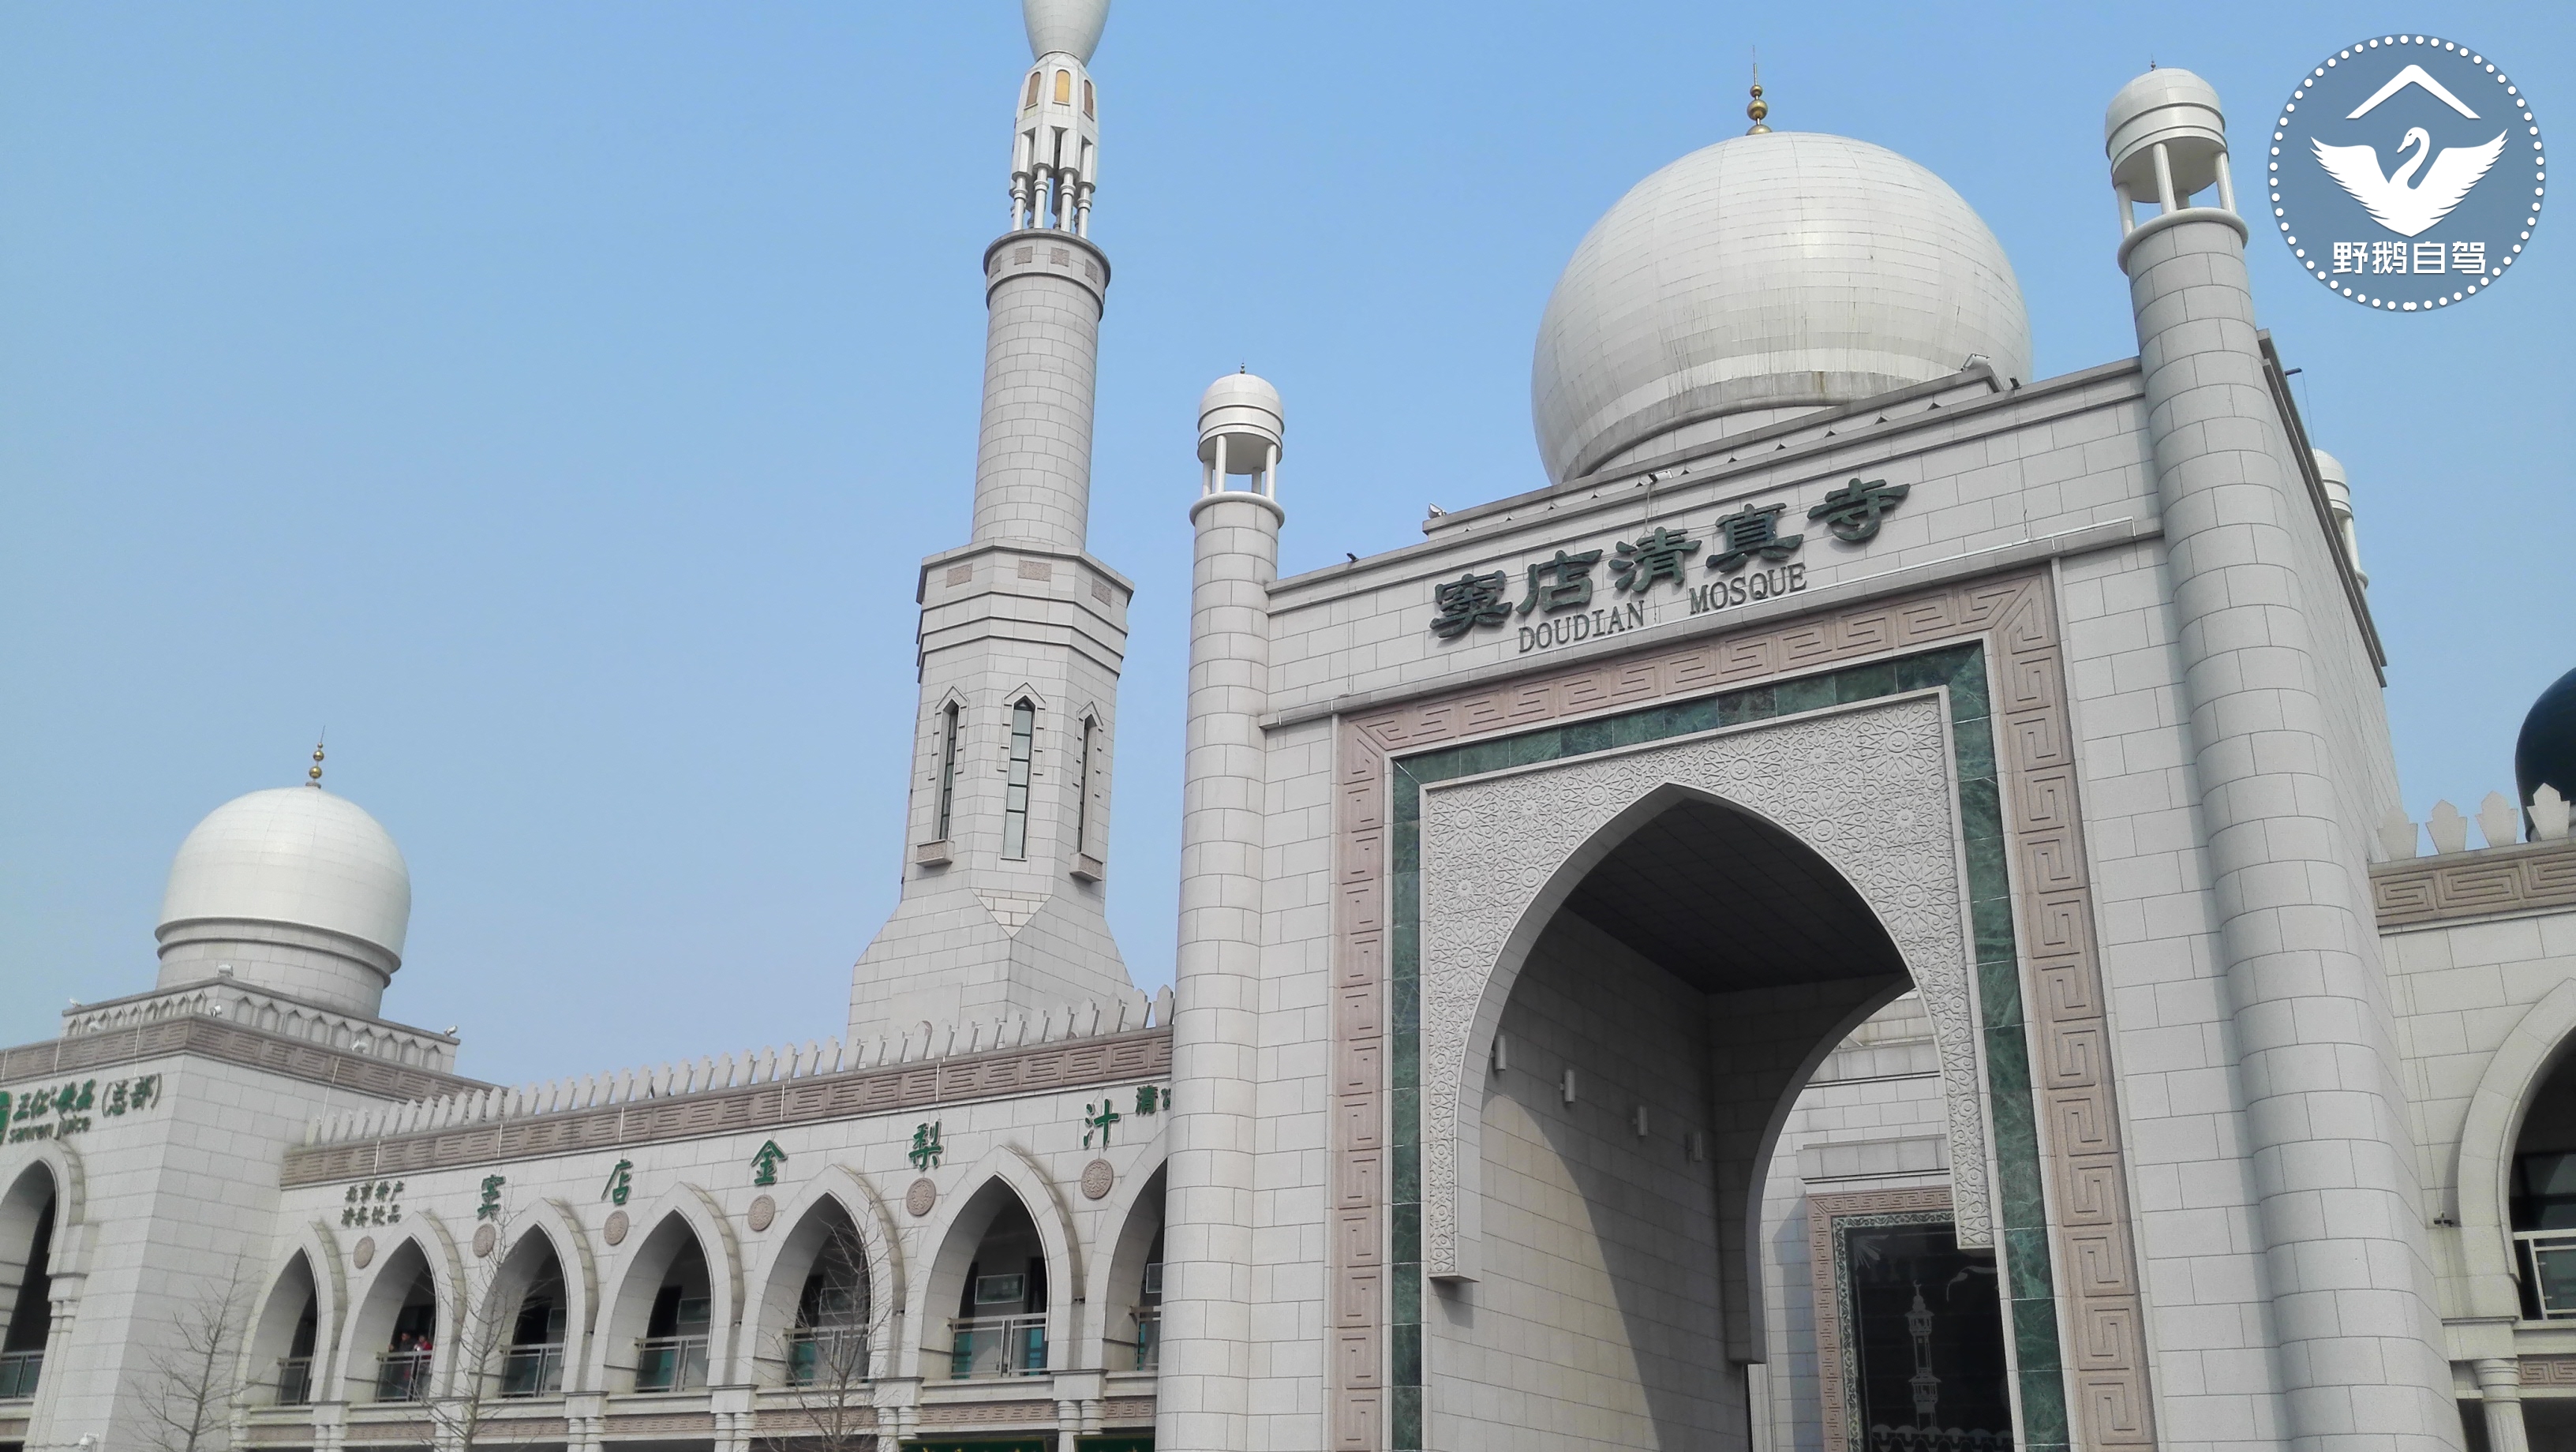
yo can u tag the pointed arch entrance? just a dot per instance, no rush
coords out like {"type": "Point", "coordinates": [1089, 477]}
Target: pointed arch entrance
{"type": "Point", "coordinates": [1987, 652]}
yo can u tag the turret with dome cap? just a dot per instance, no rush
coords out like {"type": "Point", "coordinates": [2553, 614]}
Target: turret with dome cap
{"type": "Point", "coordinates": [1769, 275]}
{"type": "Point", "coordinates": [293, 889]}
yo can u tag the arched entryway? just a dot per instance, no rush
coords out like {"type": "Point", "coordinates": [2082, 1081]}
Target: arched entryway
{"type": "Point", "coordinates": [817, 1326]}
{"type": "Point", "coordinates": [992, 1281]}
{"type": "Point", "coordinates": [284, 1340]}
{"type": "Point", "coordinates": [1132, 1315]}
{"type": "Point", "coordinates": [524, 1330]}
{"type": "Point", "coordinates": [395, 1337]}
{"type": "Point", "coordinates": [659, 1334]}
{"type": "Point", "coordinates": [28, 1211]}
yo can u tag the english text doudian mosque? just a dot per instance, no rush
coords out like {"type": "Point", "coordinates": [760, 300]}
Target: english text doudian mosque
{"type": "Point", "coordinates": [1871, 913]}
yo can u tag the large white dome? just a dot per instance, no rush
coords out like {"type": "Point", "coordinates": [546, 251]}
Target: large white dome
{"type": "Point", "coordinates": [1759, 277]}
{"type": "Point", "coordinates": [293, 888]}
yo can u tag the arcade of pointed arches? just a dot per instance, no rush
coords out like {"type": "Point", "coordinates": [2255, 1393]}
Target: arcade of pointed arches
{"type": "Point", "coordinates": [687, 1305]}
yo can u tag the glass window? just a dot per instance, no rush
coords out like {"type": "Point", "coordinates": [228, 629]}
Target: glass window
{"type": "Point", "coordinates": [947, 768]}
{"type": "Point", "coordinates": [1015, 797]}
{"type": "Point", "coordinates": [1086, 101]}
{"type": "Point", "coordinates": [1033, 92]}
{"type": "Point", "coordinates": [1082, 790]}
{"type": "Point", "coordinates": [1064, 88]}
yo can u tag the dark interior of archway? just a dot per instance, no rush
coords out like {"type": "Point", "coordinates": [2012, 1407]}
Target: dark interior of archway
{"type": "Point", "coordinates": [1725, 901]}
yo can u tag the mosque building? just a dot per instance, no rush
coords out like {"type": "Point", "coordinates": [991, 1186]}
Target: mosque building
{"type": "Point", "coordinates": [1871, 913]}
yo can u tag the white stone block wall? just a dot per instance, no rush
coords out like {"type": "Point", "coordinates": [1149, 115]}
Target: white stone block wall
{"type": "Point", "coordinates": [1595, 1320]}
{"type": "Point", "coordinates": [1873, 1112]}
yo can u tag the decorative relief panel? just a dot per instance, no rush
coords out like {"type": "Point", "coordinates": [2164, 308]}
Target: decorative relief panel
{"type": "Point", "coordinates": [2048, 954]}
{"type": "Point", "coordinates": [1867, 786]}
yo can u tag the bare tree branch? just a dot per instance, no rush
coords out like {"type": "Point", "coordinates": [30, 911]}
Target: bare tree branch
{"type": "Point", "coordinates": [192, 1381]}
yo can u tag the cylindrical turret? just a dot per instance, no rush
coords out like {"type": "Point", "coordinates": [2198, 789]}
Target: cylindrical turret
{"type": "Point", "coordinates": [2330, 472]}
{"type": "Point", "coordinates": [2333, 1175]}
{"type": "Point", "coordinates": [1209, 1259]}
{"type": "Point", "coordinates": [1240, 433]}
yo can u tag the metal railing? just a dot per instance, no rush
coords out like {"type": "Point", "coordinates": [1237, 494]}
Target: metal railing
{"type": "Point", "coordinates": [294, 1381]}
{"type": "Point", "coordinates": [990, 1346]}
{"type": "Point", "coordinates": [827, 1355]}
{"type": "Point", "coordinates": [532, 1371]}
{"type": "Point", "coordinates": [403, 1376]}
{"type": "Point", "coordinates": [19, 1371]}
{"type": "Point", "coordinates": [2548, 1266]}
{"type": "Point", "coordinates": [670, 1363]}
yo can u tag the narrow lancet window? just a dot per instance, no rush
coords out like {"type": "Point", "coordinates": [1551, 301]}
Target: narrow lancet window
{"type": "Point", "coordinates": [1082, 790]}
{"type": "Point", "coordinates": [947, 768]}
{"type": "Point", "coordinates": [1015, 797]}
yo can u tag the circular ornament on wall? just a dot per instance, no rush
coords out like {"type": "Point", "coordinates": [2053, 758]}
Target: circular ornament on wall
{"type": "Point", "coordinates": [616, 1228]}
{"type": "Point", "coordinates": [365, 1253]}
{"type": "Point", "coordinates": [485, 1237]}
{"type": "Point", "coordinates": [921, 1197]}
{"type": "Point", "coordinates": [1098, 1179]}
{"type": "Point", "coordinates": [763, 1211]}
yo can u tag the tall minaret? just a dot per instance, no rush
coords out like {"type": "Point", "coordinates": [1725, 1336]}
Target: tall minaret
{"type": "Point", "coordinates": [1022, 631]}
{"type": "Point", "coordinates": [2361, 1363]}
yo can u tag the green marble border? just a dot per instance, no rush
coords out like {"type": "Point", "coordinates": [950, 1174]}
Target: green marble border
{"type": "Point", "coordinates": [2029, 1288]}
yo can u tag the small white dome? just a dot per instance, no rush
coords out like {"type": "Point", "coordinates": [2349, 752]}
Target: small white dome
{"type": "Point", "coordinates": [296, 868]}
{"type": "Point", "coordinates": [1070, 26]}
{"type": "Point", "coordinates": [1760, 277]}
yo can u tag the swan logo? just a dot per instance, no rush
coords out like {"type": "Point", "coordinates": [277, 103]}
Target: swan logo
{"type": "Point", "coordinates": [2406, 173]}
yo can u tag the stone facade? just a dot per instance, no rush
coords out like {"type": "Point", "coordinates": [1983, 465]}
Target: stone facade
{"type": "Point", "coordinates": [1957, 822]}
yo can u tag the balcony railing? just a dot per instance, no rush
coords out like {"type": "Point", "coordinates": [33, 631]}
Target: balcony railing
{"type": "Point", "coordinates": [532, 1371]}
{"type": "Point", "coordinates": [2548, 1273]}
{"type": "Point", "coordinates": [294, 1381]}
{"type": "Point", "coordinates": [990, 1346]}
{"type": "Point", "coordinates": [403, 1376]}
{"type": "Point", "coordinates": [18, 1373]}
{"type": "Point", "coordinates": [670, 1363]}
{"type": "Point", "coordinates": [827, 1356]}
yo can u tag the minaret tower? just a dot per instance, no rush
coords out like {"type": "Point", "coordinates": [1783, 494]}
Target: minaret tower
{"type": "Point", "coordinates": [1023, 632]}
{"type": "Point", "coordinates": [2360, 1364]}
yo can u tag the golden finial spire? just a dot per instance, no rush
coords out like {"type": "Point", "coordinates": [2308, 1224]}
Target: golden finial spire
{"type": "Point", "coordinates": [313, 778]}
{"type": "Point", "coordinates": [1757, 108]}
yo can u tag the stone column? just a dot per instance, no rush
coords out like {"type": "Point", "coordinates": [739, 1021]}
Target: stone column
{"type": "Point", "coordinates": [2500, 1397]}
{"type": "Point", "coordinates": [1208, 1270]}
{"type": "Point", "coordinates": [2333, 1171]}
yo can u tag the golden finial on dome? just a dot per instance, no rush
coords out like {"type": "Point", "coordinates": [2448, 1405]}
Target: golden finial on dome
{"type": "Point", "coordinates": [313, 778]}
{"type": "Point", "coordinates": [1757, 108]}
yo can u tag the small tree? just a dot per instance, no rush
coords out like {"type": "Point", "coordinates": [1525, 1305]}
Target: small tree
{"type": "Point", "coordinates": [470, 1416]}
{"type": "Point", "coordinates": [822, 1355]}
{"type": "Point", "coordinates": [193, 1380]}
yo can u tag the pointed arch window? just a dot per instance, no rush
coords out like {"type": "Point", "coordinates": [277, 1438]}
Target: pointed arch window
{"type": "Point", "coordinates": [948, 725]}
{"type": "Point", "coordinates": [1015, 796]}
{"type": "Point", "coordinates": [1064, 88]}
{"type": "Point", "coordinates": [1082, 787]}
{"type": "Point", "coordinates": [1033, 91]}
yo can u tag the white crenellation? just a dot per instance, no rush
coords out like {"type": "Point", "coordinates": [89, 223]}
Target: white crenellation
{"type": "Point", "coordinates": [2401, 837]}
{"type": "Point", "coordinates": [268, 1011]}
{"type": "Point", "coordinates": [1126, 1014]}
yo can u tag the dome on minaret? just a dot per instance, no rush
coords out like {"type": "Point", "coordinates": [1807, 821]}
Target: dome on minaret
{"type": "Point", "coordinates": [1067, 27]}
{"type": "Point", "coordinates": [292, 889]}
{"type": "Point", "coordinates": [1762, 277]}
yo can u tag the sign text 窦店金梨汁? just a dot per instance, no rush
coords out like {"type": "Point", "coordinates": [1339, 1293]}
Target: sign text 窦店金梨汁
{"type": "Point", "coordinates": [1574, 596]}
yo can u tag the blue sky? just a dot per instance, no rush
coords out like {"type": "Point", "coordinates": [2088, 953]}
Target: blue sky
{"type": "Point", "coordinates": [553, 402]}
